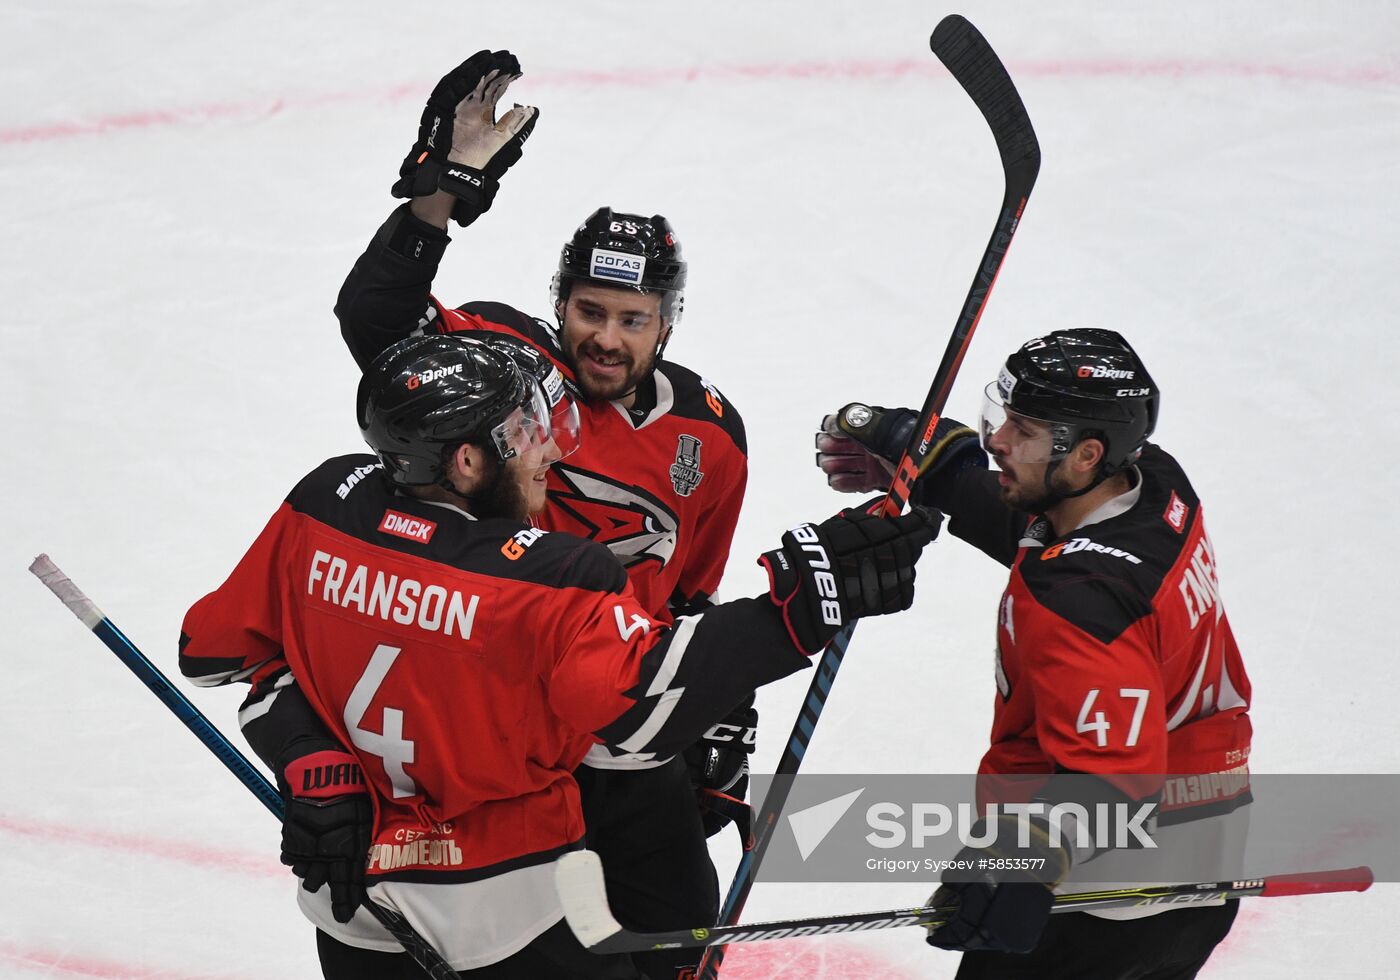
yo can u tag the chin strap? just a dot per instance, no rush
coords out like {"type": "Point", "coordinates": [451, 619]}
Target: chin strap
{"type": "Point", "coordinates": [1053, 496]}
{"type": "Point", "coordinates": [661, 344]}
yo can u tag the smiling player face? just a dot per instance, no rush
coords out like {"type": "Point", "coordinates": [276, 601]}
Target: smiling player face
{"type": "Point", "coordinates": [611, 336]}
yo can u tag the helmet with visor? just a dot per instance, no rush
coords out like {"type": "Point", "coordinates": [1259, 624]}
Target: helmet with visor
{"type": "Point", "coordinates": [424, 396]}
{"type": "Point", "coordinates": [1065, 387]}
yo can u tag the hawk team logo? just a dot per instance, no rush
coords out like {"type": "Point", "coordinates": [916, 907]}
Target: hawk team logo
{"type": "Point", "coordinates": [685, 471]}
{"type": "Point", "coordinates": [634, 525]}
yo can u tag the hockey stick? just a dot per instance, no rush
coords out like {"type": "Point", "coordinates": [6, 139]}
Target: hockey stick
{"type": "Point", "coordinates": [969, 58]}
{"type": "Point", "coordinates": [579, 878]}
{"type": "Point", "coordinates": [94, 619]}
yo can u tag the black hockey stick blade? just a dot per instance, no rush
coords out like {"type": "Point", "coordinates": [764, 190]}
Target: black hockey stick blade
{"type": "Point", "coordinates": [971, 60]}
{"type": "Point", "coordinates": [583, 894]}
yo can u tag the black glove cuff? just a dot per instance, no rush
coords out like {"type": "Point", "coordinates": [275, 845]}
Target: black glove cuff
{"type": "Point", "coordinates": [783, 579]}
{"type": "Point", "coordinates": [474, 190]}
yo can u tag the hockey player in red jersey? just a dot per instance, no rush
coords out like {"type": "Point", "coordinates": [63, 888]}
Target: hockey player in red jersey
{"type": "Point", "coordinates": [415, 644]}
{"type": "Point", "coordinates": [1114, 654]}
{"type": "Point", "coordinates": [659, 479]}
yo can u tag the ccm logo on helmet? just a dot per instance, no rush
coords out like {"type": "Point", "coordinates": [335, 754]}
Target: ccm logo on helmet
{"type": "Point", "coordinates": [407, 526]}
{"type": "Point", "coordinates": [1099, 371]}
{"type": "Point", "coordinates": [806, 536]}
{"type": "Point", "coordinates": [437, 374]}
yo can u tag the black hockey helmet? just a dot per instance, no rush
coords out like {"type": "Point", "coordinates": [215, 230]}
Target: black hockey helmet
{"type": "Point", "coordinates": [1086, 383]}
{"type": "Point", "coordinates": [425, 394]}
{"type": "Point", "coordinates": [627, 250]}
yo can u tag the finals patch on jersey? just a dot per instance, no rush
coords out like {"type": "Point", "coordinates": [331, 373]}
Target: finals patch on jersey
{"type": "Point", "coordinates": [617, 266]}
{"type": "Point", "coordinates": [685, 471]}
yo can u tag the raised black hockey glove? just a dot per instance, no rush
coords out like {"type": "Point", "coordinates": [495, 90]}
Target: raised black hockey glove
{"type": "Point", "coordinates": [848, 566]}
{"type": "Point", "coordinates": [327, 826]}
{"type": "Point", "coordinates": [858, 447]}
{"type": "Point", "coordinates": [719, 770]}
{"type": "Point", "coordinates": [1003, 905]}
{"type": "Point", "coordinates": [461, 147]}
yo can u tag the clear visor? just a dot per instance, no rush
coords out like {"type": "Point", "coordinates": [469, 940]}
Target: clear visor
{"type": "Point", "coordinates": [536, 430]}
{"type": "Point", "coordinates": [1009, 435]}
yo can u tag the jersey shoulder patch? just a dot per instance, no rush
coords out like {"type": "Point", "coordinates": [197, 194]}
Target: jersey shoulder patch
{"type": "Point", "coordinates": [551, 558]}
{"type": "Point", "coordinates": [698, 398]}
{"type": "Point", "coordinates": [336, 479]}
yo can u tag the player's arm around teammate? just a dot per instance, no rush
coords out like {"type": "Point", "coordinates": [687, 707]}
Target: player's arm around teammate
{"type": "Point", "coordinates": [487, 640]}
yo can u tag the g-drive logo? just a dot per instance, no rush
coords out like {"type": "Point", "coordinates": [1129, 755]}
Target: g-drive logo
{"type": "Point", "coordinates": [1099, 371]}
{"type": "Point", "coordinates": [617, 266]}
{"type": "Point", "coordinates": [428, 377]}
{"type": "Point", "coordinates": [924, 825]}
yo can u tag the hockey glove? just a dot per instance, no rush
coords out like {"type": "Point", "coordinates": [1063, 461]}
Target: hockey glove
{"type": "Point", "coordinates": [461, 147]}
{"type": "Point", "coordinates": [327, 827]}
{"type": "Point", "coordinates": [1004, 907]}
{"type": "Point", "coordinates": [858, 447]}
{"type": "Point", "coordinates": [719, 770]}
{"type": "Point", "coordinates": [846, 567]}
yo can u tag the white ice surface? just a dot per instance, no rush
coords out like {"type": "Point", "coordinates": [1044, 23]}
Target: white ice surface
{"type": "Point", "coordinates": [183, 186]}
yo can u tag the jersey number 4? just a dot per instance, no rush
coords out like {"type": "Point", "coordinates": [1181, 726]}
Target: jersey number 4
{"type": "Point", "coordinates": [1100, 726]}
{"type": "Point", "coordinates": [388, 744]}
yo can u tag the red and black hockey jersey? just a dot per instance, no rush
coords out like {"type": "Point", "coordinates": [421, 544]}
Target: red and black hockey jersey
{"type": "Point", "coordinates": [1114, 653]}
{"type": "Point", "coordinates": [661, 484]}
{"type": "Point", "coordinates": [466, 662]}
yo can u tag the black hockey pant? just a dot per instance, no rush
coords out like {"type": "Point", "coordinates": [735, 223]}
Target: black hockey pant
{"type": "Point", "coordinates": [645, 825]}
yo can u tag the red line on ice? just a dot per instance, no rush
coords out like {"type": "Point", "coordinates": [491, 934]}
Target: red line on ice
{"type": "Point", "coordinates": [62, 963]}
{"type": "Point", "coordinates": [648, 77]}
{"type": "Point", "coordinates": [169, 850]}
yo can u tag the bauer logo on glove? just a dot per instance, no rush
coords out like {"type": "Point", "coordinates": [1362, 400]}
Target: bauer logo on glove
{"type": "Point", "coordinates": [846, 567]}
{"type": "Point", "coordinates": [807, 538]}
